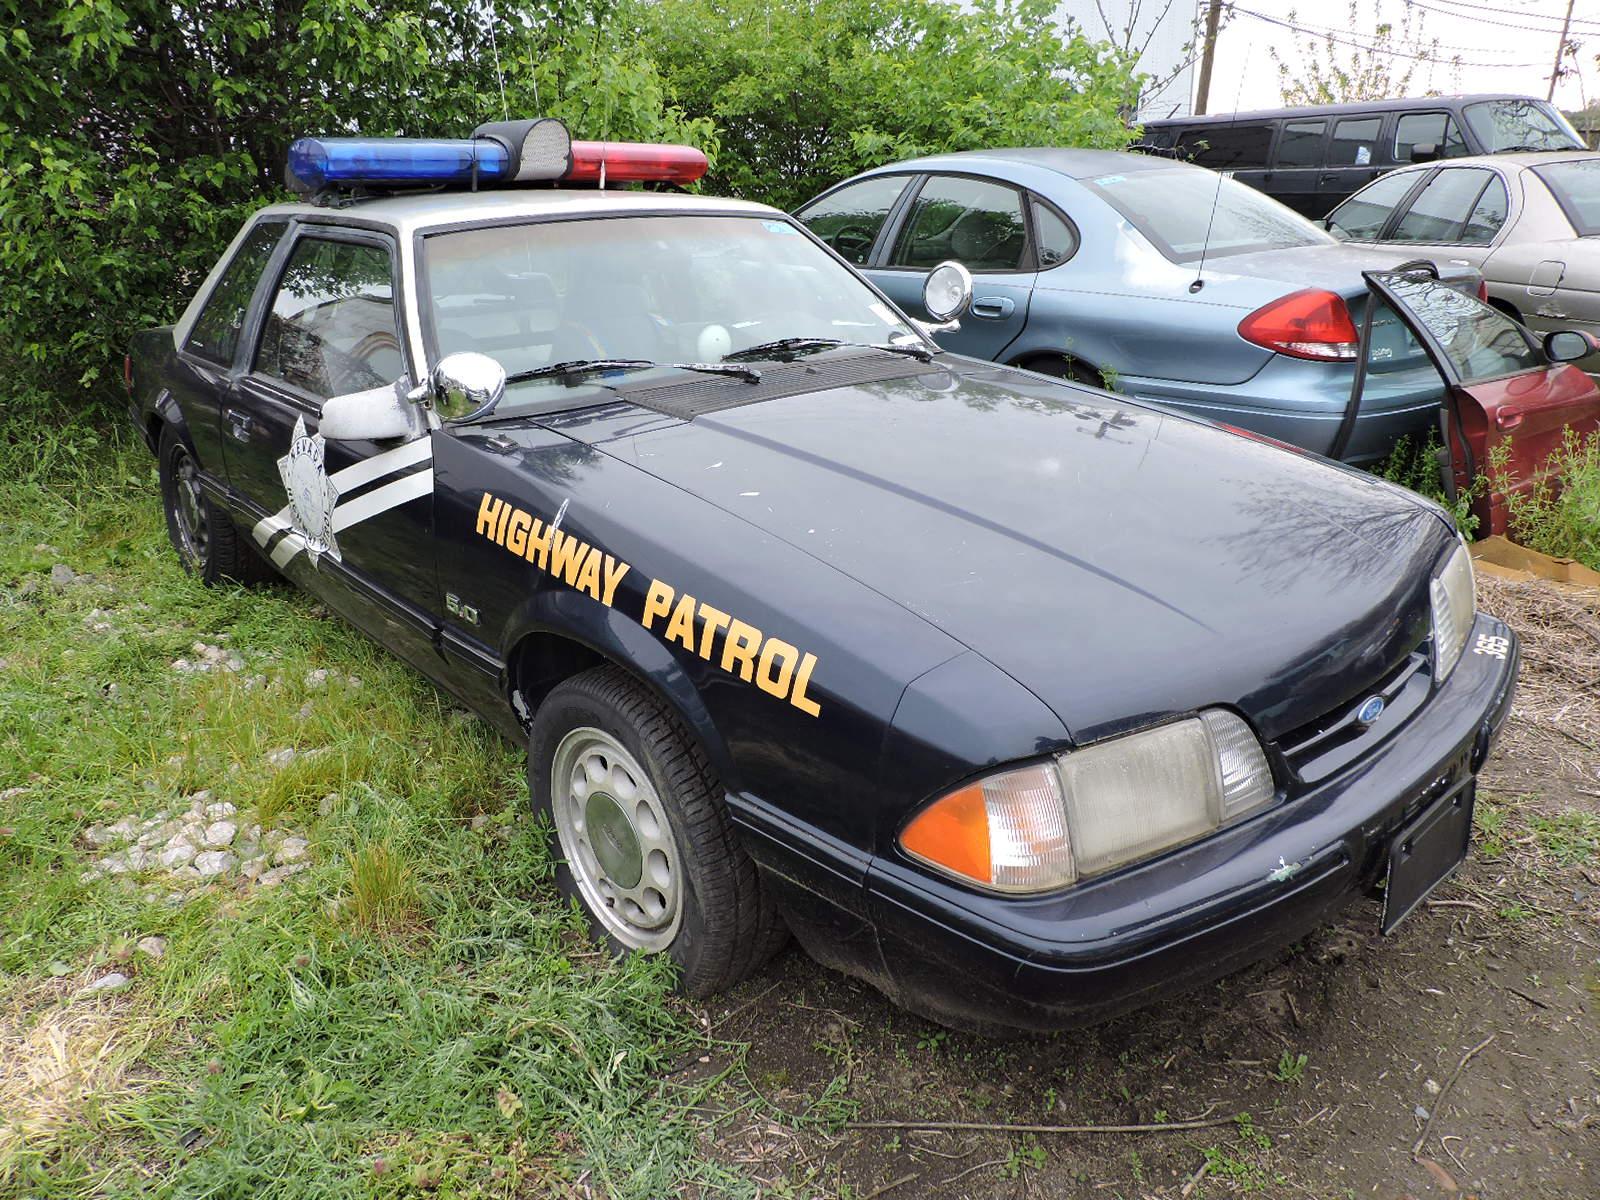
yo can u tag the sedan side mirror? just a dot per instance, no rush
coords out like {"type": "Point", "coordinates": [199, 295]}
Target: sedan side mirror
{"type": "Point", "coordinates": [946, 292]}
{"type": "Point", "coordinates": [1424, 152]}
{"type": "Point", "coordinates": [374, 415]}
{"type": "Point", "coordinates": [467, 385]}
{"type": "Point", "coordinates": [1569, 345]}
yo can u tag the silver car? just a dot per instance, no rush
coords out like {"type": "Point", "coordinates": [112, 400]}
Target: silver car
{"type": "Point", "coordinates": [1165, 281]}
{"type": "Point", "coordinates": [1528, 222]}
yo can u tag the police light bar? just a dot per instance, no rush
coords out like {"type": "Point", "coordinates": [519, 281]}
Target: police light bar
{"type": "Point", "coordinates": [497, 153]}
{"type": "Point", "coordinates": [635, 162]}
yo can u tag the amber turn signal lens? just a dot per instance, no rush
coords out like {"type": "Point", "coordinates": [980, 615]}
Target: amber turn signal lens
{"type": "Point", "coordinates": [1007, 832]}
{"type": "Point", "coordinates": [953, 833]}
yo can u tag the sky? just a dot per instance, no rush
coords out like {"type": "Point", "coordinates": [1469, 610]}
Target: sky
{"type": "Point", "coordinates": [1502, 45]}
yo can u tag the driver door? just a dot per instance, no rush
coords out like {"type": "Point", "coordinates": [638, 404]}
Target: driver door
{"type": "Point", "coordinates": [350, 521]}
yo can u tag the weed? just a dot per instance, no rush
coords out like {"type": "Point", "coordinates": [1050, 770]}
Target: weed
{"type": "Point", "coordinates": [1561, 518]}
{"type": "Point", "coordinates": [933, 1040]}
{"type": "Point", "coordinates": [1571, 837]}
{"type": "Point", "coordinates": [1415, 465]}
{"type": "Point", "coordinates": [1028, 1155]}
{"type": "Point", "coordinates": [383, 894]}
{"type": "Point", "coordinates": [1291, 1068]}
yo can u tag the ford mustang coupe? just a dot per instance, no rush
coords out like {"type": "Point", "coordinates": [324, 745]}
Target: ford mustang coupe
{"type": "Point", "coordinates": [1026, 702]}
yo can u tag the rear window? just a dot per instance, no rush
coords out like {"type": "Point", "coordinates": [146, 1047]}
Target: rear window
{"type": "Point", "coordinates": [1576, 187]}
{"type": "Point", "coordinates": [215, 335]}
{"type": "Point", "coordinates": [1184, 211]}
{"type": "Point", "coordinates": [1300, 143]}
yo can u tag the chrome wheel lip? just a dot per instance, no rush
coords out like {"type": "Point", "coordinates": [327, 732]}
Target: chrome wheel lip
{"type": "Point", "coordinates": [592, 773]}
{"type": "Point", "coordinates": [189, 509]}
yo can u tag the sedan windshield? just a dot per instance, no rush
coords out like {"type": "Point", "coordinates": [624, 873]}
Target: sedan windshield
{"type": "Point", "coordinates": [1185, 211]}
{"type": "Point", "coordinates": [1504, 125]}
{"type": "Point", "coordinates": [647, 289]}
{"type": "Point", "coordinates": [1576, 186]}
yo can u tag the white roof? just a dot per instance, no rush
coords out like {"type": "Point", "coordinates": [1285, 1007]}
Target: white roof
{"type": "Point", "coordinates": [413, 213]}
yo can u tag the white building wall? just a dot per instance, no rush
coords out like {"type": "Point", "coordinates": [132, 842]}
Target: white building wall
{"type": "Point", "coordinates": [1164, 30]}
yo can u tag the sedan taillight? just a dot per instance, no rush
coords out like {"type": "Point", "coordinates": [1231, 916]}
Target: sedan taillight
{"type": "Point", "coordinates": [1312, 324]}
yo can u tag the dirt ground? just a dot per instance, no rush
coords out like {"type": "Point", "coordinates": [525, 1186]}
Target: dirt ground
{"type": "Point", "coordinates": [1500, 972]}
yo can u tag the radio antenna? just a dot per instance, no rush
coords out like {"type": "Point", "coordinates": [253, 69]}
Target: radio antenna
{"type": "Point", "coordinates": [1216, 196]}
{"type": "Point", "coordinates": [499, 75]}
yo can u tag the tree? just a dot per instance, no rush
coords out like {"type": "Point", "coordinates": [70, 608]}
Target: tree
{"type": "Point", "coordinates": [135, 136]}
{"type": "Point", "coordinates": [1349, 64]}
{"type": "Point", "coordinates": [805, 94]}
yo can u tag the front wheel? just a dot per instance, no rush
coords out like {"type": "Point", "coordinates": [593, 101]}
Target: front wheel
{"type": "Point", "coordinates": [644, 840]}
{"type": "Point", "coordinates": [209, 545]}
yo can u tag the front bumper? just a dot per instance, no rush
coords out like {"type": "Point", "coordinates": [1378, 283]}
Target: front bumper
{"type": "Point", "coordinates": [1052, 962]}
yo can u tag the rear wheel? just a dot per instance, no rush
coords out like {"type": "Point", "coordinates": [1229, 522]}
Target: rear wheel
{"type": "Point", "coordinates": [209, 545]}
{"type": "Point", "coordinates": [643, 838]}
{"type": "Point", "coordinates": [1059, 367]}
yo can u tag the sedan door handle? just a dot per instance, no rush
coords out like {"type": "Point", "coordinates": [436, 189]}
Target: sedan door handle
{"type": "Point", "coordinates": [240, 423]}
{"type": "Point", "coordinates": [993, 308]}
{"type": "Point", "coordinates": [1508, 416]}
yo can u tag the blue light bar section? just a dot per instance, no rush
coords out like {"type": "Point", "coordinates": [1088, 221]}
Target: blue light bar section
{"type": "Point", "coordinates": [317, 163]}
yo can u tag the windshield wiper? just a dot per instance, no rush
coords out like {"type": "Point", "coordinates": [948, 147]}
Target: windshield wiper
{"type": "Point", "coordinates": [1521, 149]}
{"type": "Point", "coordinates": [790, 345]}
{"type": "Point", "coordinates": [575, 368]}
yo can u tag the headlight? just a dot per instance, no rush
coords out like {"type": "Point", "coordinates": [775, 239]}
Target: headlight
{"type": "Point", "coordinates": [1047, 825]}
{"type": "Point", "coordinates": [1454, 604]}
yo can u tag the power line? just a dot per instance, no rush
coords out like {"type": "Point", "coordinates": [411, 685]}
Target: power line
{"type": "Point", "coordinates": [1322, 30]}
{"type": "Point", "coordinates": [1371, 49]}
{"type": "Point", "coordinates": [1477, 8]}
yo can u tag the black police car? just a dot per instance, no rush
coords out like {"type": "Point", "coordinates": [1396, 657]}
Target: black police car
{"type": "Point", "coordinates": [1024, 701]}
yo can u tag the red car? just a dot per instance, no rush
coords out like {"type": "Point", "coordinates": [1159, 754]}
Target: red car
{"type": "Point", "coordinates": [1505, 386]}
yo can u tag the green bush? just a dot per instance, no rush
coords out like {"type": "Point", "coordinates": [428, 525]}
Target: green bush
{"type": "Point", "coordinates": [1560, 521]}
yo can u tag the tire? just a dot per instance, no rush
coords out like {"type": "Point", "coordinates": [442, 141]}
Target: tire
{"type": "Point", "coordinates": [650, 854]}
{"type": "Point", "coordinates": [209, 545]}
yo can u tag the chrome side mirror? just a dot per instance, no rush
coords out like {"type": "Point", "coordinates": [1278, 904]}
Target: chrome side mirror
{"type": "Point", "coordinates": [947, 291]}
{"type": "Point", "coordinates": [1568, 345]}
{"type": "Point", "coordinates": [467, 385]}
{"type": "Point", "coordinates": [374, 415]}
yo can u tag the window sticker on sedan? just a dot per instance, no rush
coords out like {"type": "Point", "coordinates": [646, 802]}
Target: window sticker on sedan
{"type": "Point", "coordinates": [777, 667]}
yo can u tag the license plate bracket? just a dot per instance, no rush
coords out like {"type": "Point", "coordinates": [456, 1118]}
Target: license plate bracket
{"type": "Point", "coordinates": [1426, 853]}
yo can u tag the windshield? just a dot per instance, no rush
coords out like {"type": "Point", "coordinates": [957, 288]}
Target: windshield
{"type": "Point", "coordinates": [1173, 208]}
{"type": "Point", "coordinates": [1502, 125]}
{"type": "Point", "coordinates": [1576, 186]}
{"type": "Point", "coordinates": [659, 288]}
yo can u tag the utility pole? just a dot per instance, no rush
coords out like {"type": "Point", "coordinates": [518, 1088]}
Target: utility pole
{"type": "Point", "coordinates": [1561, 50]}
{"type": "Point", "coordinates": [1213, 18]}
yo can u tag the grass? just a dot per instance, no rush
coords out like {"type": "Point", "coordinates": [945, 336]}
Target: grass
{"type": "Point", "coordinates": [415, 1010]}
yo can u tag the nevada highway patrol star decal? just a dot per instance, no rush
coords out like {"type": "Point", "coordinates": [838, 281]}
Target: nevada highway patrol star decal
{"type": "Point", "coordinates": [312, 494]}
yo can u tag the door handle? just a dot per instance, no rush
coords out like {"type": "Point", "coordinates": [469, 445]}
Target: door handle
{"type": "Point", "coordinates": [1326, 177]}
{"type": "Point", "coordinates": [240, 424]}
{"type": "Point", "coordinates": [993, 308]}
{"type": "Point", "coordinates": [1507, 417]}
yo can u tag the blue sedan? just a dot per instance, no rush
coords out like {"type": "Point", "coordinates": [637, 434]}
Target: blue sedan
{"type": "Point", "coordinates": [1159, 279]}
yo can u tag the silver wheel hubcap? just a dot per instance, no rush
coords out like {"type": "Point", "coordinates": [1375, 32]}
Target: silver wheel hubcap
{"type": "Point", "coordinates": [193, 530]}
{"type": "Point", "coordinates": [616, 839]}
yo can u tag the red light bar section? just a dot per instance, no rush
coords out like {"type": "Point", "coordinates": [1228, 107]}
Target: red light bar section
{"type": "Point", "coordinates": [635, 162]}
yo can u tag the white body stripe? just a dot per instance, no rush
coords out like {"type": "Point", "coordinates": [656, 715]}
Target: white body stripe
{"type": "Point", "coordinates": [401, 491]}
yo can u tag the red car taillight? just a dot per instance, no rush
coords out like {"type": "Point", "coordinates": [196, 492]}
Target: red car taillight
{"type": "Point", "coordinates": [1311, 324]}
{"type": "Point", "coordinates": [1483, 291]}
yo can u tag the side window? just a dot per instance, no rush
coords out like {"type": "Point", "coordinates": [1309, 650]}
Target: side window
{"type": "Point", "coordinates": [1361, 218]}
{"type": "Point", "coordinates": [1058, 241]}
{"type": "Point", "coordinates": [1300, 144]}
{"type": "Point", "coordinates": [977, 223]}
{"type": "Point", "coordinates": [849, 219]}
{"type": "Point", "coordinates": [1227, 147]}
{"type": "Point", "coordinates": [332, 326]}
{"type": "Point", "coordinates": [1440, 211]}
{"type": "Point", "coordinates": [1488, 215]}
{"type": "Point", "coordinates": [215, 335]}
{"type": "Point", "coordinates": [1435, 128]}
{"type": "Point", "coordinates": [1355, 140]}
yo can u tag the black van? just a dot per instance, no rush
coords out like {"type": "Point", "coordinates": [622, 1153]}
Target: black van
{"type": "Point", "coordinates": [1312, 158]}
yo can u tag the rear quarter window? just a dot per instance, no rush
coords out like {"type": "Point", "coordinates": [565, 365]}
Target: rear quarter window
{"type": "Point", "coordinates": [215, 336]}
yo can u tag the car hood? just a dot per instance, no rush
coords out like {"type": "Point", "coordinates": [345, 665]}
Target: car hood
{"type": "Point", "coordinates": [1122, 563]}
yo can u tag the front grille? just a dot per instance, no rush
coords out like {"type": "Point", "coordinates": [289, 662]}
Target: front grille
{"type": "Point", "coordinates": [1338, 737]}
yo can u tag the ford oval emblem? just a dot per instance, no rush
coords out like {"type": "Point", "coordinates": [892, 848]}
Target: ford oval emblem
{"type": "Point", "coordinates": [1371, 709]}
